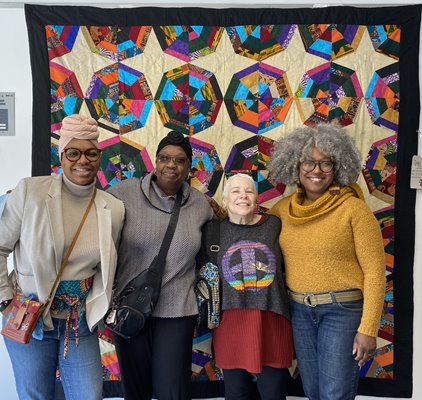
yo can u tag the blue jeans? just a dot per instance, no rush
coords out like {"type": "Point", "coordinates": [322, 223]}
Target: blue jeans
{"type": "Point", "coordinates": [323, 338]}
{"type": "Point", "coordinates": [35, 364]}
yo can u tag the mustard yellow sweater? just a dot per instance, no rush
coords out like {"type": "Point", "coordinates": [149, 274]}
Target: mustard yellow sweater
{"type": "Point", "coordinates": [334, 243]}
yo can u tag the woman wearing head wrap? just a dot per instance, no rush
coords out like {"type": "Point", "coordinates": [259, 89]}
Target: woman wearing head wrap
{"type": "Point", "coordinates": [38, 224]}
{"type": "Point", "coordinates": [157, 362]}
{"type": "Point", "coordinates": [334, 258]}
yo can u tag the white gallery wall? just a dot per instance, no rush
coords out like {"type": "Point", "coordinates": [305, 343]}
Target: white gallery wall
{"type": "Point", "coordinates": [15, 151]}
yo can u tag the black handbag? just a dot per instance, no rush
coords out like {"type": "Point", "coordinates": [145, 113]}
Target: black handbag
{"type": "Point", "coordinates": [135, 304]}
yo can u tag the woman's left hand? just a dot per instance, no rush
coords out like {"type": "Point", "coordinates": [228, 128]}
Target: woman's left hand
{"type": "Point", "coordinates": [363, 348]}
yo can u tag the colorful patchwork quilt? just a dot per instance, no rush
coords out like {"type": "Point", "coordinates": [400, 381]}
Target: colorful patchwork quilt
{"type": "Point", "coordinates": [233, 81]}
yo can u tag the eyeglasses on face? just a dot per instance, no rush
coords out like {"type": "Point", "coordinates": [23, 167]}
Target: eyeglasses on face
{"type": "Point", "coordinates": [310, 165]}
{"type": "Point", "coordinates": [164, 159]}
{"type": "Point", "coordinates": [73, 155]}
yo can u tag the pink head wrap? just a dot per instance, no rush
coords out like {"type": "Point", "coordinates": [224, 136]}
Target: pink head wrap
{"type": "Point", "coordinates": [78, 126]}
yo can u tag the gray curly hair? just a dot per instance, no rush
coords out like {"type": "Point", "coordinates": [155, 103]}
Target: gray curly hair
{"type": "Point", "coordinates": [297, 146]}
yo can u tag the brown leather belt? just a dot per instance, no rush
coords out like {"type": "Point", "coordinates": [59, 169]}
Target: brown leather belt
{"type": "Point", "coordinates": [315, 299]}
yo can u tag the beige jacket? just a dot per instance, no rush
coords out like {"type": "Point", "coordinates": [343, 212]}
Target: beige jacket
{"type": "Point", "coordinates": [31, 227]}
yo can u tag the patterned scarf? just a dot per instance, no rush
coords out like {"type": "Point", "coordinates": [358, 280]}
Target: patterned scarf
{"type": "Point", "coordinates": [70, 297]}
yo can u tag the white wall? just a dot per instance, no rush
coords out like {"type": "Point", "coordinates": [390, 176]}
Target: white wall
{"type": "Point", "coordinates": [15, 151]}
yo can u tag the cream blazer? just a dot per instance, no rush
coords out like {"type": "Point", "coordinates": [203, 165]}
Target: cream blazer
{"type": "Point", "coordinates": [31, 227]}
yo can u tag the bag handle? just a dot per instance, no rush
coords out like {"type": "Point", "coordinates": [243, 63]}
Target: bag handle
{"type": "Point", "coordinates": [210, 244]}
{"type": "Point", "coordinates": [168, 236]}
{"type": "Point", "coordinates": [214, 239]}
{"type": "Point", "coordinates": [72, 245]}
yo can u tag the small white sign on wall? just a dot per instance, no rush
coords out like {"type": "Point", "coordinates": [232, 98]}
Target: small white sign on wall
{"type": "Point", "coordinates": [416, 173]}
{"type": "Point", "coordinates": [7, 114]}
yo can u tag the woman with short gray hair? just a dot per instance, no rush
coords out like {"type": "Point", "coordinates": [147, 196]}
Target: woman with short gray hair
{"type": "Point", "coordinates": [254, 339]}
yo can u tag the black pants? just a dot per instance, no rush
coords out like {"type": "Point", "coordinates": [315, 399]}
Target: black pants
{"type": "Point", "coordinates": [158, 362]}
{"type": "Point", "coordinates": [271, 384]}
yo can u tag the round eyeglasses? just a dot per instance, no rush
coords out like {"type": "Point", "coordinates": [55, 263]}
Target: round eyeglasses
{"type": "Point", "coordinates": [309, 165]}
{"type": "Point", "coordinates": [75, 154]}
{"type": "Point", "coordinates": [164, 159]}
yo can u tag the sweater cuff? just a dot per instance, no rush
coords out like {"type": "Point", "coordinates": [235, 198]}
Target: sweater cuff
{"type": "Point", "coordinates": [368, 330]}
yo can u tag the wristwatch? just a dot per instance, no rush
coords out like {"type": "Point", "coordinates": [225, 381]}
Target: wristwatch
{"type": "Point", "coordinates": [4, 304]}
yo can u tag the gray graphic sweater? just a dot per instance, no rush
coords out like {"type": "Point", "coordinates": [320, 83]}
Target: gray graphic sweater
{"type": "Point", "coordinates": [250, 265]}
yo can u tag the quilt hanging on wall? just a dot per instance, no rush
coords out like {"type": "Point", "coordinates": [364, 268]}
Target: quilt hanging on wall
{"type": "Point", "coordinates": [233, 81]}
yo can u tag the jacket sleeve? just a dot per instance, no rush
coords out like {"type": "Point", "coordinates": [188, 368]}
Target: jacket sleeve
{"type": "Point", "coordinates": [10, 231]}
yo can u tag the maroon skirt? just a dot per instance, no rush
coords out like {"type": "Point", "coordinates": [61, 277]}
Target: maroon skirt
{"type": "Point", "coordinates": [251, 339]}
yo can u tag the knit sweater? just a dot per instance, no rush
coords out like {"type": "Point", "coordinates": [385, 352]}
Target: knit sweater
{"type": "Point", "coordinates": [334, 243]}
{"type": "Point", "coordinates": [85, 256]}
{"type": "Point", "coordinates": [148, 212]}
{"type": "Point", "coordinates": [250, 266]}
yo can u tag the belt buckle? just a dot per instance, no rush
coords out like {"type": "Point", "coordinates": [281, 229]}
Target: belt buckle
{"type": "Point", "coordinates": [307, 299]}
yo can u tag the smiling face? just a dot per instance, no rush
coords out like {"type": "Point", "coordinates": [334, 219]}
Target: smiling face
{"type": "Point", "coordinates": [316, 182]}
{"type": "Point", "coordinates": [82, 172]}
{"type": "Point", "coordinates": [171, 173]}
{"type": "Point", "coordinates": [240, 198]}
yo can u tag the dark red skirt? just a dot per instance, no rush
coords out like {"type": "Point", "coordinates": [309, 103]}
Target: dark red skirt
{"type": "Point", "coordinates": [251, 339]}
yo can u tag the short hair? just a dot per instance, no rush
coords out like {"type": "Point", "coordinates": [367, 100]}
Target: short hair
{"type": "Point", "coordinates": [330, 139]}
{"type": "Point", "coordinates": [229, 181]}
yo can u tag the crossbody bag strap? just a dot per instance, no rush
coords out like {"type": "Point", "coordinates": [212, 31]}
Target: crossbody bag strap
{"type": "Point", "coordinates": [168, 236]}
{"type": "Point", "coordinates": [214, 240]}
{"type": "Point", "coordinates": [71, 247]}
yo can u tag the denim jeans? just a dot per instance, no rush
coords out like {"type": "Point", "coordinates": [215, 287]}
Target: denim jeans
{"type": "Point", "coordinates": [323, 338]}
{"type": "Point", "coordinates": [35, 364]}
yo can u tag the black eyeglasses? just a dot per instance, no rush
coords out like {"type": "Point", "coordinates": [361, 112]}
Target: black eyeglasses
{"type": "Point", "coordinates": [310, 165]}
{"type": "Point", "coordinates": [164, 159]}
{"type": "Point", "coordinates": [75, 154]}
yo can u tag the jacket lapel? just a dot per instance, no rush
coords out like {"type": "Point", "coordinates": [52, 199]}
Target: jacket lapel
{"type": "Point", "coordinates": [104, 231]}
{"type": "Point", "coordinates": [55, 216]}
